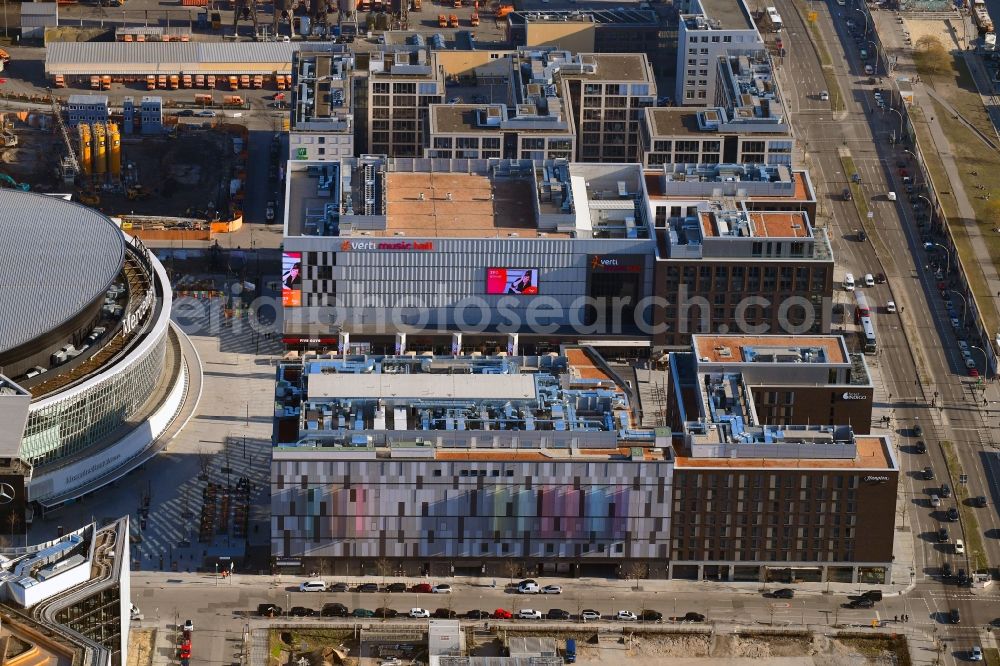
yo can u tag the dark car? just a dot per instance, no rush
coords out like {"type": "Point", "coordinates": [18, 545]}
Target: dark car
{"type": "Point", "coordinates": [335, 610]}
{"type": "Point", "coordinates": [862, 236]}
{"type": "Point", "coordinates": [981, 502]}
{"type": "Point", "coordinates": [478, 615]}
{"type": "Point", "coordinates": [368, 587]}
{"type": "Point", "coordinates": [363, 612]}
{"type": "Point", "coordinates": [339, 587]}
{"type": "Point", "coordinates": [396, 587]}
{"type": "Point", "coordinates": [385, 613]}
{"type": "Point", "coordinates": [268, 610]}
{"type": "Point", "coordinates": [185, 113]}
{"type": "Point", "coordinates": [943, 535]}
{"type": "Point", "coordinates": [557, 614]}
{"type": "Point", "coordinates": [444, 614]}
{"type": "Point", "coordinates": [946, 570]}
{"type": "Point", "coordinates": [928, 473]}
{"type": "Point", "coordinates": [783, 593]}
{"type": "Point", "coordinates": [421, 587]}
{"type": "Point", "coordinates": [880, 278]}
{"type": "Point", "coordinates": [650, 616]}
{"type": "Point", "coordinates": [846, 194]}
{"type": "Point", "coordinates": [693, 617]}
{"type": "Point", "coordinates": [874, 595]}
{"type": "Point", "coordinates": [527, 581]}
{"type": "Point", "coordinates": [918, 431]}
{"type": "Point", "coordinates": [945, 490]}
{"type": "Point", "coordinates": [301, 611]}
{"type": "Point", "coordinates": [953, 515]}
{"type": "Point", "coordinates": [954, 617]}
{"type": "Point", "coordinates": [921, 446]}
{"type": "Point", "coordinates": [962, 578]}
{"type": "Point", "coordinates": [861, 602]}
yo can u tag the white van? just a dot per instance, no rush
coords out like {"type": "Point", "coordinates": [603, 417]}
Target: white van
{"type": "Point", "coordinates": [849, 282]}
{"type": "Point", "coordinates": [528, 588]}
{"type": "Point", "coordinates": [891, 196]}
{"type": "Point", "coordinates": [313, 586]}
{"type": "Point", "coordinates": [869, 280]}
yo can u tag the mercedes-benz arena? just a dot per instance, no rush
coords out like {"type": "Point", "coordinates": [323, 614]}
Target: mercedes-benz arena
{"type": "Point", "coordinates": [85, 330]}
{"type": "Point", "coordinates": [424, 255]}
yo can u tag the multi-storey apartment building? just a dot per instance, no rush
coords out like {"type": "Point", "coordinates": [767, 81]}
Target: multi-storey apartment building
{"type": "Point", "coordinates": [747, 126]}
{"type": "Point", "coordinates": [737, 252]}
{"type": "Point", "coordinates": [322, 108]}
{"type": "Point", "coordinates": [401, 87]}
{"type": "Point", "coordinates": [461, 465]}
{"type": "Point", "coordinates": [608, 94]}
{"type": "Point", "coordinates": [709, 29]}
{"type": "Point", "coordinates": [787, 380]}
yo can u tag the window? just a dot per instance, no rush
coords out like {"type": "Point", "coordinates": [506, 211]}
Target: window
{"type": "Point", "coordinates": [437, 472]}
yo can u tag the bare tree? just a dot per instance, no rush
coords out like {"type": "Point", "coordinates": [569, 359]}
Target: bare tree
{"type": "Point", "coordinates": [513, 568]}
{"type": "Point", "coordinates": [204, 464]}
{"type": "Point", "coordinates": [13, 521]}
{"type": "Point", "coordinates": [384, 568]}
{"type": "Point", "coordinates": [637, 571]}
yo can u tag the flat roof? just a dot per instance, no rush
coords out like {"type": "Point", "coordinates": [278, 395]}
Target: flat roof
{"type": "Point", "coordinates": [56, 258]}
{"type": "Point", "coordinates": [449, 118]}
{"type": "Point", "coordinates": [872, 454]}
{"type": "Point", "coordinates": [469, 212]}
{"type": "Point", "coordinates": [565, 455]}
{"type": "Point", "coordinates": [673, 120]}
{"type": "Point", "coordinates": [730, 348]}
{"type": "Point", "coordinates": [75, 58]}
{"type": "Point", "coordinates": [617, 17]}
{"type": "Point", "coordinates": [730, 15]}
{"type": "Point", "coordinates": [655, 190]}
{"type": "Point", "coordinates": [423, 386]}
{"type": "Point", "coordinates": [780, 224]}
{"type": "Point", "coordinates": [616, 67]}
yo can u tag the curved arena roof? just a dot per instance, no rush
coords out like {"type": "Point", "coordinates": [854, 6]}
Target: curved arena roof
{"type": "Point", "coordinates": [56, 258]}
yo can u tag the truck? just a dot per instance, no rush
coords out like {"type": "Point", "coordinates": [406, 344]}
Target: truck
{"type": "Point", "coordinates": [95, 83]}
{"type": "Point", "coordinates": [981, 17]}
{"type": "Point", "coordinates": [151, 82]}
{"type": "Point", "coordinates": [60, 81]}
{"type": "Point", "coordinates": [161, 81]}
{"type": "Point", "coordinates": [442, 21]}
{"type": "Point", "coordinates": [503, 10]}
{"type": "Point", "coordinates": [105, 82]}
{"type": "Point", "coordinates": [474, 20]}
{"type": "Point", "coordinates": [199, 80]}
{"type": "Point", "coordinates": [4, 56]}
{"type": "Point", "coordinates": [258, 81]}
{"type": "Point", "coordinates": [453, 21]}
{"type": "Point", "coordinates": [570, 650]}
{"type": "Point", "coordinates": [232, 100]}
{"type": "Point", "coordinates": [210, 81]}
{"type": "Point", "coordinates": [279, 82]}
{"type": "Point", "coordinates": [186, 80]}
{"type": "Point", "coordinates": [203, 98]}
{"type": "Point", "coordinates": [416, 5]}
{"type": "Point", "coordinates": [234, 83]}
{"type": "Point", "coordinates": [216, 20]}
{"type": "Point", "coordinates": [245, 81]}
{"type": "Point", "coordinates": [175, 81]}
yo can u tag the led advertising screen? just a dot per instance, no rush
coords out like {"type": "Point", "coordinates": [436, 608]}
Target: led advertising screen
{"type": "Point", "coordinates": [522, 281]}
{"type": "Point", "coordinates": [291, 279]}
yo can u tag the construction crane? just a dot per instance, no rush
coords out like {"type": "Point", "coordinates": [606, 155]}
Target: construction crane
{"type": "Point", "coordinates": [70, 163]}
{"type": "Point", "coordinates": [246, 10]}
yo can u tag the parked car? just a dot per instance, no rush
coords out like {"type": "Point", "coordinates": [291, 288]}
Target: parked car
{"type": "Point", "coordinates": [185, 113]}
{"type": "Point", "coordinates": [313, 586]}
{"type": "Point", "coordinates": [339, 587]}
{"type": "Point", "coordinates": [396, 587]}
{"type": "Point", "coordinates": [626, 616]}
{"type": "Point", "coordinates": [976, 653]}
{"type": "Point", "coordinates": [269, 212]}
{"type": "Point", "coordinates": [959, 547]}
{"type": "Point", "coordinates": [946, 571]}
{"type": "Point", "coordinates": [861, 602]}
{"type": "Point", "coordinates": [962, 578]}
{"type": "Point", "coordinates": [691, 616]}
{"type": "Point", "coordinates": [502, 614]}
{"type": "Point", "coordinates": [441, 589]}
{"type": "Point", "coordinates": [945, 490]}
{"type": "Point", "coordinates": [557, 614]}
{"type": "Point", "coordinates": [528, 581]}
{"type": "Point", "coordinates": [421, 588]}
{"type": "Point", "coordinates": [928, 473]}
{"type": "Point", "coordinates": [918, 430]}
{"type": "Point", "coordinates": [529, 614]}
{"type": "Point", "coordinates": [551, 589]}
{"type": "Point", "coordinates": [268, 610]}
{"type": "Point", "coordinates": [528, 588]}
{"type": "Point", "coordinates": [334, 610]}
{"type": "Point", "coordinates": [942, 535]}
{"type": "Point", "coordinates": [921, 446]}
{"type": "Point", "coordinates": [444, 614]}
{"type": "Point", "coordinates": [206, 113]}
{"type": "Point", "coordinates": [477, 615]}
{"type": "Point", "coordinates": [953, 515]}
{"type": "Point", "coordinates": [368, 587]}
{"type": "Point", "coordinates": [783, 593]}
{"type": "Point", "coordinates": [363, 612]}
{"type": "Point", "coordinates": [651, 616]}
{"type": "Point", "coordinates": [419, 612]}
{"type": "Point", "coordinates": [188, 626]}
{"type": "Point", "coordinates": [874, 595]}
{"type": "Point", "coordinates": [954, 617]}
{"type": "Point", "coordinates": [589, 614]}
{"type": "Point", "coordinates": [386, 613]}
{"type": "Point", "coordinates": [981, 502]}
{"type": "Point", "coordinates": [301, 611]}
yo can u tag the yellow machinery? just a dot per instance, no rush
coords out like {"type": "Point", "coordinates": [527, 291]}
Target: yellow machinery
{"type": "Point", "coordinates": [89, 198]}
{"type": "Point", "coordinates": [84, 132]}
{"type": "Point", "coordinates": [100, 155]}
{"type": "Point", "coordinates": [114, 151]}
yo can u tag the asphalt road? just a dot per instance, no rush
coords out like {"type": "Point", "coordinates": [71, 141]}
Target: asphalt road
{"type": "Point", "coordinates": [864, 131]}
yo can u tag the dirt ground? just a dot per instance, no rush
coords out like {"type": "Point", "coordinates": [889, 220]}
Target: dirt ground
{"type": "Point", "coordinates": [738, 650]}
{"type": "Point", "coordinates": [140, 647]}
{"type": "Point", "coordinates": [34, 159]}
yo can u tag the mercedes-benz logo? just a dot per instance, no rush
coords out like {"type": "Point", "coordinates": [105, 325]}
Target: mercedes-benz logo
{"type": "Point", "coordinates": [6, 493]}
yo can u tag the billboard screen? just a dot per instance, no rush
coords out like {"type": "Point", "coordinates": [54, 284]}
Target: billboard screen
{"type": "Point", "coordinates": [291, 279]}
{"type": "Point", "coordinates": [512, 281]}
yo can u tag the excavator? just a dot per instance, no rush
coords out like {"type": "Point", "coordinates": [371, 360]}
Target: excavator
{"type": "Point", "coordinates": [7, 181]}
{"type": "Point", "coordinates": [88, 198]}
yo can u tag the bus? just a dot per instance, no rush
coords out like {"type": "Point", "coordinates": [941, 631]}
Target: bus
{"type": "Point", "coordinates": [773, 19]}
{"type": "Point", "coordinates": [861, 310]}
{"type": "Point", "coordinates": [868, 335]}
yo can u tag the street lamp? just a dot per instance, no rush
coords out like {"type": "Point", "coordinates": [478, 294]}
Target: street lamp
{"type": "Point", "coordinates": [863, 13]}
{"type": "Point", "coordinates": [965, 305]}
{"type": "Point", "coordinates": [986, 360]}
{"type": "Point", "coordinates": [929, 244]}
{"type": "Point", "coordinates": [896, 111]}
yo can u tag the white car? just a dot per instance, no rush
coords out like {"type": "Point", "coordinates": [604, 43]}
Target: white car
{"type": "Point", "coordinates": [188, 625]}
{"type": "Point", "coordinates": [890, 307]}
{"type": "Point", "coordinates": [529, 614]}
{"type": "Point", "coordinates": [441, 589]}
{"type": "Point", "coordinates": [963, 345]}
{"type": "Point", "coordinates": [419, 612]}
{"type": "Point", "coordinates": [528, 588]}
{"type": "Point", "coordinates": [313, 586]}
{"type": "Point", "coordinates": [959, 547]}
{"type": "Point", "coordinates": [626, 616]}
{"type": "Point", "coordinates": [551, 589]}
{"type": "Point", "coordinates": [590, 615]}
{"type": "Point", "coordinates": [849, 282]}
{"type": "Point", "coordinates": [976, 654]}
{"type": "Point", "coordinates": [869, 280]}
{"type": "Point", "coordinates": [955, 323]}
